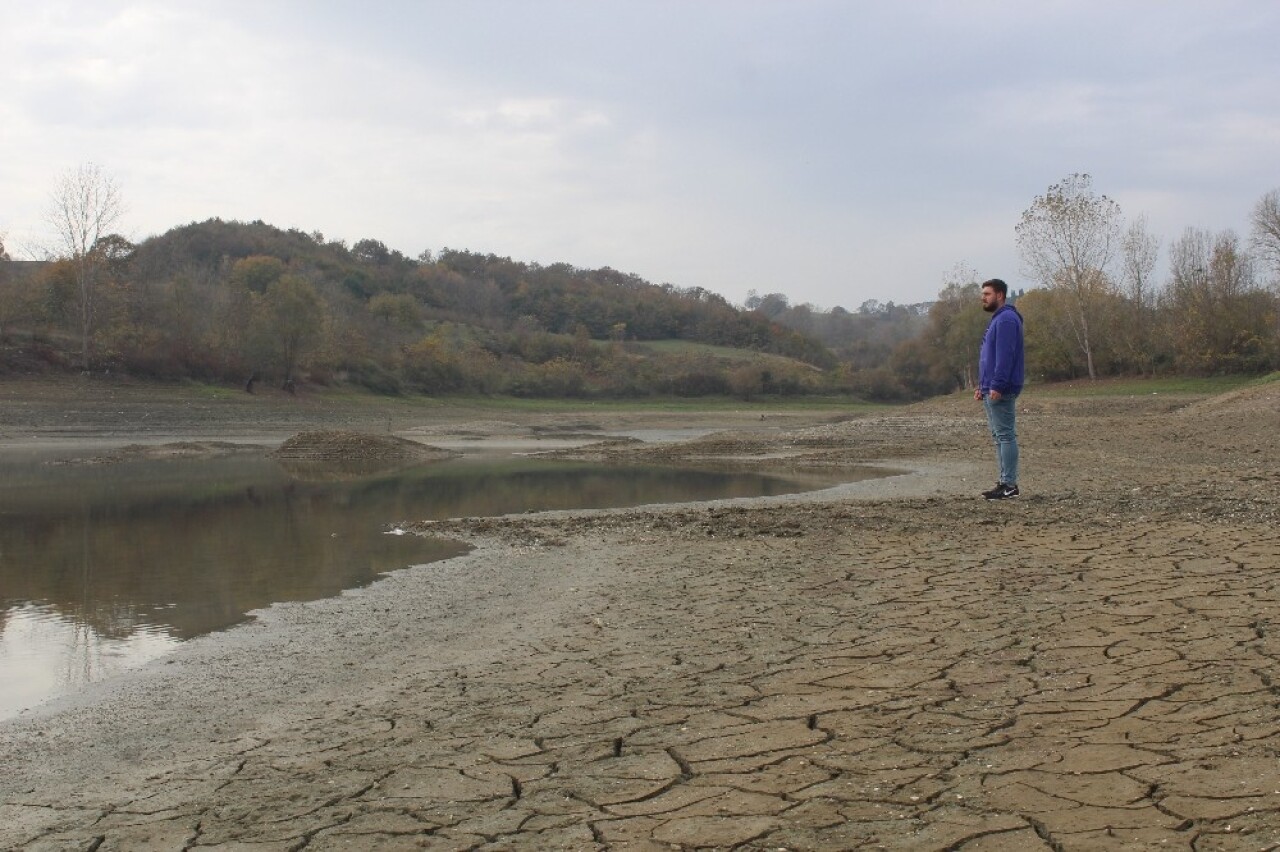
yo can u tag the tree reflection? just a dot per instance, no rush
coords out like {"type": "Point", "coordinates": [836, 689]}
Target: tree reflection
{"type": "Point", "coordinates": [176, 548]}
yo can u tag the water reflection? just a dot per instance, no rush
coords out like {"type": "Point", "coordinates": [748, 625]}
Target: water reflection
{"type": "Point", "coordinates": [42, 652]}
{"type": "Point", "coordinates": [105, 567]}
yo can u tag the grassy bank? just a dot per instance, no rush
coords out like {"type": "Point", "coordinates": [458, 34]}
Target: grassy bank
{"type": "Point", "coordinates": [1200, 386]}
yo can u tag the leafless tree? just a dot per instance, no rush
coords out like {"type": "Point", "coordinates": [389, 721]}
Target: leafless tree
{"type": "Point", "coordinates": [1140, 251]}
{"type": "Point", "coordinates": [8, 298]}
{"type": "Point", "coordinates": [1266, 230]}
{"type": "Point", "coordinates": [83, 209]}
{"type": "Point", "coordinates": [1068, 238]}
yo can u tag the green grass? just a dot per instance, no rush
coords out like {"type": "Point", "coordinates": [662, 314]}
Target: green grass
{"type": "Point", "coordinates": [1139, 387]}
{"type": "Point", "coordinates": [686, 347]}
{"type": "Point", "coordinates": [205, 390]}
{"type": "Point", "coordinates": [667, 404]}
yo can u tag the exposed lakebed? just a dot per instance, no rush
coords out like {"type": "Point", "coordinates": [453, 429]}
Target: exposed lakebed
{"type": "Point", "coordinates": [105, 566]}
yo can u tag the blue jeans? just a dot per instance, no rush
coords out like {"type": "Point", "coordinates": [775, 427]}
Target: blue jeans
{"type": "Point", "coordinates": [1000, 417]}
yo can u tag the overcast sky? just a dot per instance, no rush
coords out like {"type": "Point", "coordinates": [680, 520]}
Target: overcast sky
{"type": "Point", "coordinates": [832, 151]}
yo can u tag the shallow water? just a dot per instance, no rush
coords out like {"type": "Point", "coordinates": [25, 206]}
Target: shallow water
{"type": "Point", "coordinates": [103, 567]}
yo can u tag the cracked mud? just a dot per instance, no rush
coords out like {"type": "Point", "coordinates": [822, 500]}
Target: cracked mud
{"type": "Point", "coordinates": [894, 664]}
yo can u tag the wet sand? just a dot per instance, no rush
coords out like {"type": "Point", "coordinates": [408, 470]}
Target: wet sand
{"type": "Point", "coordinates": [890, 664]}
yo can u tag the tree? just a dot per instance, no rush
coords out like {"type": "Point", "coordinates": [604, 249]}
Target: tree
{"type": "Point", "coordinates": [772, 305]}
{"type": "Point", "coordinates": [746, 381]}
{"type": "Point", "coordinates": [371, 251]}
{"type": "Point", "coordinates": [396, 310]}
{"type": "Point", "coordinates": [1266, 243]}
{"type": "Point", "coordinates": [1139, 253]}
{"type": "Point", "coordinates": [1050, 344]}
{"type": "Point", "coordinates": [257, 272]}
{"type": "Point", "coordinates": [1219, 315]}
{"type": "Point", "coordinates": [1067, 238]}
{"type": "Point", "coordinates": [83, 208]}
{"type": "Point", "coordinates": [292, 320]}
{"type": "Point", "coordinates": [1266, 230]}
{"type": "Point", "coordinates": [954, 330]}
{"type": "Point", "coordinates": [17, 296]}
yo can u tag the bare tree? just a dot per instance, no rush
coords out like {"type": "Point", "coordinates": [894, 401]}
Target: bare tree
{"type": "Point", "coordinates": [83, 208]}
{"type": "Point", "coordinates": [1068, 238]}
{"type": "Point", "coordinates": [1266, 230]}
{"type": "Point", "coordinates": [1140, 251]}
{"type": "Point", "coordinates": [8, 298]}
{"type": "Point", "coordinates": [1266, 243]}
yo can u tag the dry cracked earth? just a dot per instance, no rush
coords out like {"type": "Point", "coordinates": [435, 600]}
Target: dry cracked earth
{"type": "Point", "coordinates": [1091, 667]}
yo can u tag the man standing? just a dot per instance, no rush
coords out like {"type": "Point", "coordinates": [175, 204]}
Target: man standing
{"type": "Point", "coordinates": [1000, 375]}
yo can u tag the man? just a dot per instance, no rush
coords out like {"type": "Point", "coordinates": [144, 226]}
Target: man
{"type": "Point", "coordinates": [1000, 374]}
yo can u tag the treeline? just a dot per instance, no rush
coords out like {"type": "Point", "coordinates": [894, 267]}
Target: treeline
{"type": "Point", "coordinates": [863, 342]}
{"type": "Point", "coordinates": [1100, 309]}
{"type": "Point", "coordinates": [236, 302]}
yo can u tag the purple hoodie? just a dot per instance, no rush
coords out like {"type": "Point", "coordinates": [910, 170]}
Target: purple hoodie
{"type": "Point", "coordinates": [1000, 363]}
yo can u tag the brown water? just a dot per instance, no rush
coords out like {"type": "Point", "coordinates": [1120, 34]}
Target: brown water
{"type": "Point", "coordinates": [103, 567]}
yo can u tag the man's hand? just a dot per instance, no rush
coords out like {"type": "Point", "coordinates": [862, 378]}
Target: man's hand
{"type": "Point", "coordinates": [995, 395]}
{"type": "Point", "coordinates": [977, 393]}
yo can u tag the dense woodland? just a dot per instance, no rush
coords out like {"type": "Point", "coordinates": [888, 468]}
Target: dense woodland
{"type": "Point", "coordinates": [249, 304]}
{"type": "Point", "coordinates": [228, 301]}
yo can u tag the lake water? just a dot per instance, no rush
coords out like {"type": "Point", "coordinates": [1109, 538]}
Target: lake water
{"type": "Point", "coordinates": [103, 567]}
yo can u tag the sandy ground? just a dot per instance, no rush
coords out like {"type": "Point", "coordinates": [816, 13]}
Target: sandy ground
{"type": "Point", "coordinates": [889, 664]}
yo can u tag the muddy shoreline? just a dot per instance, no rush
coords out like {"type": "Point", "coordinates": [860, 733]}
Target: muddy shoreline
{"type": "Point", "coordinates": [888, 664]}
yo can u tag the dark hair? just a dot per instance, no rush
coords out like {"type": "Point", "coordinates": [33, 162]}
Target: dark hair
{"type": "Point", "coordinates": [997, 285]}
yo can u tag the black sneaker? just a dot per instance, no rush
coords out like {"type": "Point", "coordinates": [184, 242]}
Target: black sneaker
{"type": "Point", "coordinates": [1001, 492]}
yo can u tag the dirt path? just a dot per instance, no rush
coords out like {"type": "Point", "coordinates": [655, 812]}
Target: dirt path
{"type": "Point", "coordinates": [1090, 667]}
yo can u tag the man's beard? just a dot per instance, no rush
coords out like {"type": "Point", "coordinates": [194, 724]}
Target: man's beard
{"type": "Point", "coordinates": [991, 308]}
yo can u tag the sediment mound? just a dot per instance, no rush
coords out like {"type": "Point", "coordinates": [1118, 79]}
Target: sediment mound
{"type": "Point", "coordinates": [1247, 417]}
{"type": "Point", "coordinates": [173, 450]}
{"type": "Point", "coordinates": [1261, 398]}
{"type": "Point", "coordinates": [473, 428]}
{"type": "Point", "coordinates": [347, 446]}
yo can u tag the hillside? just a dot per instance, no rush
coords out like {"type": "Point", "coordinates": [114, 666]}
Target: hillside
{"type": "Point", "coordinates": [242, 303]}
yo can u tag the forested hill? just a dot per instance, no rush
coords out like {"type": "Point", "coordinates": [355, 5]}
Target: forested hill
{"type": "Point", "coordinates": [224, 301]}
{"type": "Point", "coordinates": [484, 290]}
{"type": "Point", "coordinates": [249, 304]}
{"type": "Point", "coordinates": [244, 303]}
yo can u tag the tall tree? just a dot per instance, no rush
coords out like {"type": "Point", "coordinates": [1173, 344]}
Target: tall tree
{"type": "Point", "coordinates": [956, 322]}
{"type": "Point", "coordinates": [1266, 243]}
{"type": "Point", "coordinates": [83, 208]}
{"type": "Point", "coordinates": [1140, 251]}
{"type": "Point", "coordinates": [257, 272]}
{"type": "Point", "coordinates": [292, 317]}
{"type": "Point", "coordinates": [1266, 230]}
{"type": "Point", "coordinates": [1219, 314]}
{"type": "Point", "coordinates": [1050, 343]}
{"type": "Point", "coordinates": [1068, 238]}
{"type": "Point", "coordinates": [17, 297]}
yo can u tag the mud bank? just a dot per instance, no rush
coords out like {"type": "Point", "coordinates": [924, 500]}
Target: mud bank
{"type": "Point", "coordinates": [892, 663]}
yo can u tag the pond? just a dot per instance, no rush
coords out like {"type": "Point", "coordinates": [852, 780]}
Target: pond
{"type": "Point", "coordinates": [103, 567]}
